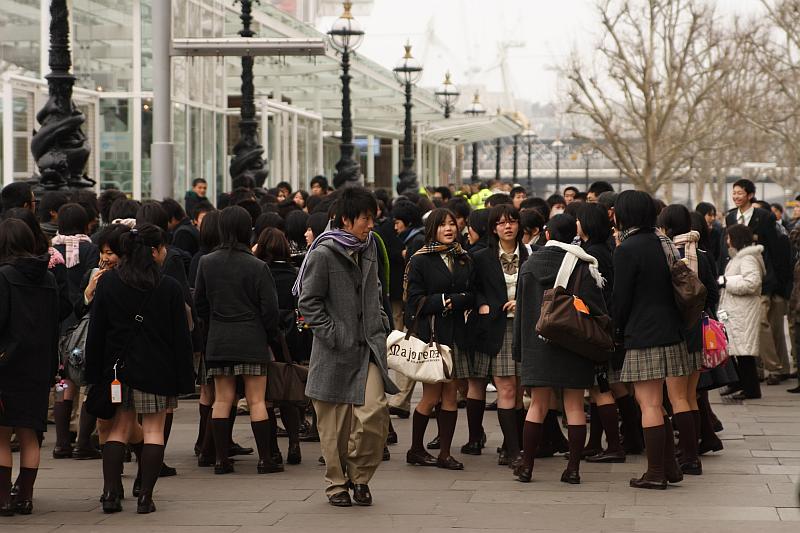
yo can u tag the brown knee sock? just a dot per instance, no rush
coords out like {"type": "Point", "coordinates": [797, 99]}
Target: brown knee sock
{"type": "Point", "coordinates": [152, 459]}
{"type": "Point", "coordinates": [447, 428]}
{"type": "Point", "coordinates": [595, 429]}
{"type": "Point", "coordinates": [508, 424]}
{"type": "Point", "coordinates": [113, 456]}
{"type": "Point", "coordinates": [610, 422]}
{"type": "Point", "coordinates": [419, 423]}
{"type": "Point", "coordinates": [262, 432]}
{"type": "Point", "coordinates": [222, 438]}
{"type": "Point", "coordinates": [654, 444]}
{"type": "Point", "coordinates": [61, 413]}
{"type": "Point", "coordinates": [577, 441]}
{"type": "Point", "coordinates": [475, 410]}
{"type": "Point", "coordinates": [531, 438]}
{"type": "Point", "coordinates": [688, 438]}
{"type": "Point", "coordinates": [5, 484]}
{"type": "Point", "coordinates": [205, 413]}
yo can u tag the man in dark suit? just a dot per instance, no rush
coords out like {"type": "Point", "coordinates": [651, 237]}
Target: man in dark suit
{"type": "Point", "coordinates": [777, 280]}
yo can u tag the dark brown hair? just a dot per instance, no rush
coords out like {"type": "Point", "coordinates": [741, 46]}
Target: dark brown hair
{"type": "Point", "coordinates": [740, 236]}
{"type": "Point", "coordinates": [272, 246]}
{"type": "Point", "coordinates": [436, 218]}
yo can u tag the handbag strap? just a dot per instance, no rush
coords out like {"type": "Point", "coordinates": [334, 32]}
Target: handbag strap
{"type": "Point", "coordinates": [413, 327]}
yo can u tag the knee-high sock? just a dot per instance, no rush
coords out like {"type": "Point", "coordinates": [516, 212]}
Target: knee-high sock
{"type": "Point", "coordinates": [5, 484]}
{"type": "Point", "coordinates": [475, 410]}
{"type": "Point", "coordinates": [290, 416]}
{"type": "Point", "coordinates": [688, 437]}
{"type": "Point", "coordinates": [419, 423]}
{"type": "Point", "coordinates": [531, 438]}
{"type": "Point", "coordinates": [167, 428]}
{"type": "Point", "coordinates": [113, 456]}
{"type": "Point", "coordinates": [86, 425]}
{"type": "Point", "coordinates": [706, 423]}
{"type": "Point", "coordinates": [152, 458]}
{"type": "Point", "coordinates": [671, 467]}
{"type": "Point", "coordinates": [610, 421]}
{"type": "Point", "coordinates": [654, 444]}
{"type": "Point", "coordinates": [25, 481]}
{"type": "Point", "coordinates": [222, 438]}
{"type": "Point", "coordinates": [520, 424]}
{"type": "Point", "coordinates": [137, 448]}
{"type": "Point", "coordinates": [508, 424]}
{"type": "Point", "coordinates": [631, 422]}
{"type": "Point", "coordinates": [61, 413]}
{"type": "Point", "coordinates": [447, 428]}
{"type": "Point", "coordinates": [552, 431]}
{"type": "Point", "coordinates": [262, 432]}
{"type": "Point", "coordinates": [577, 441]}
{"type": "Point", "coordinates": [232, 422]}
{"type": "Point", "coordinates": [208, 450]}
{"type": "Point", "coordinates": [595, 429]}
{"type": "Point", "coordinates": [205, 412]}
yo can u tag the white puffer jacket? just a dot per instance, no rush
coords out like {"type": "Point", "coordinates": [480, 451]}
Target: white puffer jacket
{"type": "Point", "coordinates": [740, 304]}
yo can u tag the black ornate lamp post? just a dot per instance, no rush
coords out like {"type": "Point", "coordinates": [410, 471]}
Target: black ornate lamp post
{"type": "Point", "coordinates": [345, 36]}
{"type": "Point", "coordinates": [516, 156]}
{"type": "Point", "coordinates": [407, 72]}
{"type": "Point", "coordinates": [247, 161]}
{"type": "Point", "coordinates": [475, 109]}
{"type": "Point", "coordinates": [530, 137]}
{"type": "Point", "coordinates": [557, 147]}
{"type": "Point", "coordinates": [497, 161]}
{"type": "Point", "coordinates": [446, 95]}
{"type": "Point", "coordinates": [60, 147]}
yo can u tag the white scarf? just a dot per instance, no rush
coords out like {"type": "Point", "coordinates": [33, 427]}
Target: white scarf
{"type": "Point", "coordinates": [570, 261]}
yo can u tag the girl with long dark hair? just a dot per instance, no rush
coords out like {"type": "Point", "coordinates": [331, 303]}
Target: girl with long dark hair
{"type": "Point", "coordinates": [138, 333]}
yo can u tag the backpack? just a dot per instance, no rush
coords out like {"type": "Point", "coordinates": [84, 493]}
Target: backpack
{"type": "Point", "coordinates": [72, 351]}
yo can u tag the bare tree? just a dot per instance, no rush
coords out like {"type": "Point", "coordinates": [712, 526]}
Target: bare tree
{"type": "Point", "coordinates": [658, 63]}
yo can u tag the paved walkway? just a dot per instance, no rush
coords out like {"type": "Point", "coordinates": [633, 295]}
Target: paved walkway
{"type": "Point", "coordinates": [751, 486]}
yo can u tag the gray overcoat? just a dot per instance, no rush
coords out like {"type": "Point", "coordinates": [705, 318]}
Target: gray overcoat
{"type": "Point", "coordinates": [341, 302]}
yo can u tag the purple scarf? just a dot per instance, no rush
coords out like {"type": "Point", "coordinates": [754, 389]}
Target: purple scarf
{"type": "Point", "coordinates": [346, 240]}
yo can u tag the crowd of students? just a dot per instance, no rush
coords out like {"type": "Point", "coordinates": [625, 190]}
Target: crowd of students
{"type": "Point", "coordinates": [149, 301]}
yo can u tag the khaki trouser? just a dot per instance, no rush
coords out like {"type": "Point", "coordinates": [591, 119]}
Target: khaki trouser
{"type": "Point", "coordinates": [401, 400]}
{"type": "Point", "coordinates": [774, 353]}
{"type": "Point", "coordinates": [352, 437]}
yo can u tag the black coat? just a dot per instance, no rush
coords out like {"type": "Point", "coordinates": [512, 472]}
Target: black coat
{"type": "Point", "coordinates": [235, 295]}
{"type": "Point", "coordinates": [487, 331]}
{"type": "Point", "coordinates": [428, 276]}
{"type": "Point", "coordinates": [29, 336]}
{"type": "Point", "coordinates": [413, 239]}
{"type": "Point", "coordinates": [89, 256]}
{"type": "Point", "coordinates": [192, 277]}
{"type": "Point", "coordinates": [644, 301]}
{"type": "Point", "coordinates": [299, 342]}
{"type": "Point", "coordinates": [158, 358]}
{"type": "Point", "coordinates": [397, 264]}
{"type": "Point", "coordinates": [186, 237]}
{"type": "Point", "coordinates": [604, 253]}
{"type": "Point", "coordinates": [777, 257]}
{"type": "Point", "coordinates": [708, 276]}
{"type": "Point", "coordinates": [545, 364]}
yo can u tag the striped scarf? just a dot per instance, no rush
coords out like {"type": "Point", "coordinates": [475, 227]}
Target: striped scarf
{"type": "Point", "coordinates": [454, 251]}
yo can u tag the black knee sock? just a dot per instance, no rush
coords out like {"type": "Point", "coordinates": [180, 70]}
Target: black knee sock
{"type": "Point", "coordinates": [273, 430]}
{"type": "Point", "coordinates": [687, 436]}
{"type": "Point", "coordinates": [167, 428]}
{"type": "Point", "coordinates": [552, 431]}
{"type": "Point", "coordinates": [262, 432]}
{"type": "Point", "coordinates": [85, 428]}
{"type": "Point", "coordinates": [521, 423]}
{"type": "Point", "coordinates": [419, 423]}
{"type": "Point", "coordinates": [291, 421]}
{"type": "Point", "coordinates": [5, 484]}
{"type": "Point", "coordinates": [707, 434]}
{"type": "Point", "coordinates": [207, 449]}
{"type": "Point", "coordinates": [531, 438]}
{"type": "Point", "coordinates": [231, 422]}
{"type": "Point", "coordinates": [137, 449]}
{"type": "Point", "coordinates": [654, 444]}
{"type": "Point", "coordinates": [222, 438]}
{"type": "Point", "coordinates": [61, 413]}
{"type": "Point", "coordinates": [205, 412]}
{"type": "Point", "coordinates": [631, 422]}
{"type": "Point", "coordinates": [152, 458]}
{"type": "Point", "coordinates": [113, 456]}
{"type": "Point", "coordinates": [610, 422]}
{"type": "Point", "coordinates": [447, 428]}
{"type": "Point", "coordinates": [508, 424]}
{"type": "Point", "coordinates": [577, 441]}
{"type": "Point", "coordinates": [475, 410]}
{"type": "Point", "coordinates": [595, 429]}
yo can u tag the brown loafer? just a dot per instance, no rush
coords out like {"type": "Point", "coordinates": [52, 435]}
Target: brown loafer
{"type": "Point", "coordinates": [644, 483]}
{"type": "Point", "coordinates": [420, 458]}
{"type": "Point", "coordinates": [449, 463]}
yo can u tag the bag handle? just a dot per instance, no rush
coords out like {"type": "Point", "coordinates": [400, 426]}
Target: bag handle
{"type": "Point", "coordinates": [413, 327]}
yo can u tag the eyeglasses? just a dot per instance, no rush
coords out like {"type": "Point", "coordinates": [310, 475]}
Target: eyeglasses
{"type": "Point", "coordinates": [507, 222]}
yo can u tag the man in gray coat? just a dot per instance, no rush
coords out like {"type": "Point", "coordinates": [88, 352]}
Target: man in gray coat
{"type": "Point", "coordinates": [340, 298]}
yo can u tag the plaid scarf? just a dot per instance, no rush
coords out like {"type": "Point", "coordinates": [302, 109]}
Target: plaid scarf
{"type": "Point", "coordinates": [454, 251]}
{"type": "Point", "coordinates": [624, 234]}
{"type": "Point", "coordinates": [71, 247]}
{"type": "Point", "coordinates": [688, 241]}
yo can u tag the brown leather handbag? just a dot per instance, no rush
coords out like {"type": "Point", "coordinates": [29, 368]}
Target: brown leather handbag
{"type": "Point", "coordinates": [689, 291]}
{"type": "Point", "coordinates": [566, 321]}
{"type": "Point", "coordinates": [286, 381]}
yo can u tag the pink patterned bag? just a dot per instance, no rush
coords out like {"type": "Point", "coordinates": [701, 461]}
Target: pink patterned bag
{"type": "Point", "coordinates": [715, 343]}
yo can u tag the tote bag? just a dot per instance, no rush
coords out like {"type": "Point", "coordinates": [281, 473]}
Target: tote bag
{"type": "Point", "coordinates": [427, 362]}
{"type": "Point", "coordinates": [715, 343]}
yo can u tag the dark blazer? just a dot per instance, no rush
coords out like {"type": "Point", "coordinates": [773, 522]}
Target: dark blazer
{"type": "Point", "coordinates": [235, 295]}
{"type": "Point", "coordinates": [644, 301]}
{"type": "Point", "coordinates": [159, 358]}
{"type": "Point", "coordinates": [29, 334]}
{"type": "Point", "coordinates": [89, 258]}
{"type": "Point", "coordinates": [776, 258]}
{"type": "Point", "coordinates": [488, 331]}
{"type": "Point", "coordinates": [394, 249]}
{"type": "Point", "coordinates": [413, 242]}
{"type": "Point", "coordinates": [428, 276]}
{"type": "Point", "coordinates": [603, 252]}
{"type": "Point", "coordinates": [186, 237]}
{"type": "Point", "coordinates": [708, 276]}
{"type": "Point", "coordinates": [545, 364]}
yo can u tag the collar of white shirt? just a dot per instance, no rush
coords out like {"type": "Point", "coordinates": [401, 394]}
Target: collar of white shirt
{"type": "Point", "coordinates": [500, 250]}
{"type": "Point", "coordinates": [747, 215]}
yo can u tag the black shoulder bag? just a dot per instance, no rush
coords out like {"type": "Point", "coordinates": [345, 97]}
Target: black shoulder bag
{"type": "Point", "coordinates": [98, 396]}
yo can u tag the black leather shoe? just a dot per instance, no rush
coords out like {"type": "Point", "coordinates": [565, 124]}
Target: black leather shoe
{"type": "Point", "coordinates": [167, 471]}
{"type": "Point", "coordinates": [607, 457]}
{"type": "Point", "coordinates": [277, 457]}
{"type": "Point", "coordinates": [730, 389]}
{"type": "Point", "coordinates": [268, 468]}
{"type": "Point", "coordinates": [709, 446]}
{"type": "Point", "coordinates": [517, 463]}
{"type": "Point", "coordinates": [673, 472]}
{"type": "Point", "coordinates": [237, 449]}
{"type": "Point", "coordinates": [294, 456]}
{"type": "Point", "coordinates": [449, 463]}
{"type": "Point", "coordinates": [795, 390]}
{"type": "Point", "coordinates": [420, 458]}
{"type": "Point", "coordinates": [145, 504]}
{"type": "Point", "coordinates": [742, 396]}
{"type": "Point", "coordinates": [570, 476]}
{"type": "Point", "coordinates": [524, 473]}
{"type": "Point", "coordinates": [434, 444]}
{"type": "Point", "coordinates": [23, 507]}
{"type": "Point", "coordinates": [589, 452]}
{"type": "Point", "coordinates": [7, 509]}
{"type": "Point", "coordinates": [223, 467]}
{"type": "Point", "coordinates": [362, 495]}
{"type": "Point", "coordinates": [111, 503]}
{"type": "Point", "coordinates": [692, 468]}
{"type": "Point", "coordinates": [399, 413]}
{"type": "Point", "coordinates": [391, 437]}
{"type": "Point", "coordinates": [471, 448]}
{"type": "Point", "coordinates": [86, 453]}
{"type": "Point", "coordinates": [386, 455]}
{"type": "Point", "coordinates": [60, 452]}
{"type": "Point", "coordinates": [203, 461]}
{"type": "Point", "coordinates": [502, 458]}
{"type": "Point", "coordinates": [644, 483]}
{"type": "Point", "coordinates": [309, 436]}
{"type": "Point", "coordinates": [137, 487]}
{"type": "Point", "coordinates": [340, 499]}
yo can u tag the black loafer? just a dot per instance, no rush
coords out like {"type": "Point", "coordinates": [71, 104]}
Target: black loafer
{"type": "Point", "coordinates": [86, 453]}
{"type": "Point", "coordinates": [223, 467]}
{"type": "Point", "coordinates": [362, 495]}
{"type": "Point", "coordinates": [7, 508]}
{"type": "Point", "coordinates": [60, 452]}
{"type": "Point", "coordinates": [137, 487]}
{"type": "Point", "coordinates": [692, 468]}
{"type": "Point", "coordinates": [391, 437]}
{"type": "Point", "coordinates": [203, 461]}
{"type": "Point", "coordinates": [294, 456]}
{"type": "Point", "coordinates": [712, 446]}
{"type": "Point", "coordinates": [111, 503]}
{"type": "Point", "coordinates": [399, 413]}
{"type": "Point", "coordinates": [607, 457]}
{"type": "Point", "coordinates": [434, 444]}
{"type": "Point", "coordinates": [502, 458]}
{"type": "Point", "coordinates": [386, 455]}
{"type": "Point", "coordinates": [23, 507]}
{"type": "Point", "coordinates": [269, 468]}
{"type": "Point", "coordinates": [471, 448]}
{"type": "Point", "coordinates": [340, 499]}
{"type": "Point", "coordinates": [449, 463]}
{"type": "Point", "coordinates": [236, 449]}
{"type": "Point", "coordinates": [571, 476]}
{"type": "Point", "coordinates": [644, 483]}
{"type": "Point", "coordinates": [524, 473]}
{"type": "Point", "coordinates": [277, 457]}
{"type": "Point", "coordinates": [167, 471]}
{"type": "Point", "coordinates": [145, 504]}
{"type": "Point", "coordinates": [420, 458]}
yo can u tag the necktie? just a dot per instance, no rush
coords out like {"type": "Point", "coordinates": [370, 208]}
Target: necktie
{"type": "Point", "coordinates": [741, 218]}
{"type": "Point", "coordinates": [509, 262]}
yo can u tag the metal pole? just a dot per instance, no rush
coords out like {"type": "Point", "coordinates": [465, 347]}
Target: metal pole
{"type": "Point", "coordinates": [516, 155]}
{"type": "Point", "coordinates": [558, 170]}
{"type": "Point", "coordinates": [530, 148]}
{"type": "Point", "coordinates": [586, 157]}
{"type": "Point", "coordinates": [408, 178]}
{"type": "Point", "coordinates": [161, 150]}
{"type": "Point", "coordinates": [347, 169]}
{"type": "Point", "coordinates": [475, 176]}
{"type": "Point", "coordinates": [497, 159]}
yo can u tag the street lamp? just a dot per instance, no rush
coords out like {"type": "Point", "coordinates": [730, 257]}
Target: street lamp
{"type": "Point", "coordinates": [588, 154]}
{"type": "Point", "coordinates": [516, 155]}
{"type": "Point", "coordinates": [345, 36]}
{"type": "Point", "coordinates": [530, 138]}
{"type": "Point", "coordinates": [407, 72]}
{"type": "Point", "coordinates": [446, 95]}
{"type": "Point", "coordinates": [499, 147]}
{"type": "Point", "coordinates": [475, 109]}
{"type": "Point", "coordinates": [59, 146]}
{"type": "Point", "coordinates": [247, 163]}
{"type": "Point", "coordinates": [557, 147]}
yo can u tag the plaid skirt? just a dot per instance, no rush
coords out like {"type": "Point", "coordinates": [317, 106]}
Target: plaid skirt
{"type": "Point", "coordinates": [696, 360]}
{"type": "Point", "coordinates": [501, 365]}
{"type": "Point", "coordinates": [656, 362]}
{"type": "Point", "coordinates": [146, 403]}
{"type": "Point", "coordinates": [239, 369]}
{"type": "Point", "coordinates": [460, 362]}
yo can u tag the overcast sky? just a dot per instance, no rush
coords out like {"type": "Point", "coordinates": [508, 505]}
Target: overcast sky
{"type": "Point", "coordinates": [466, 37]}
